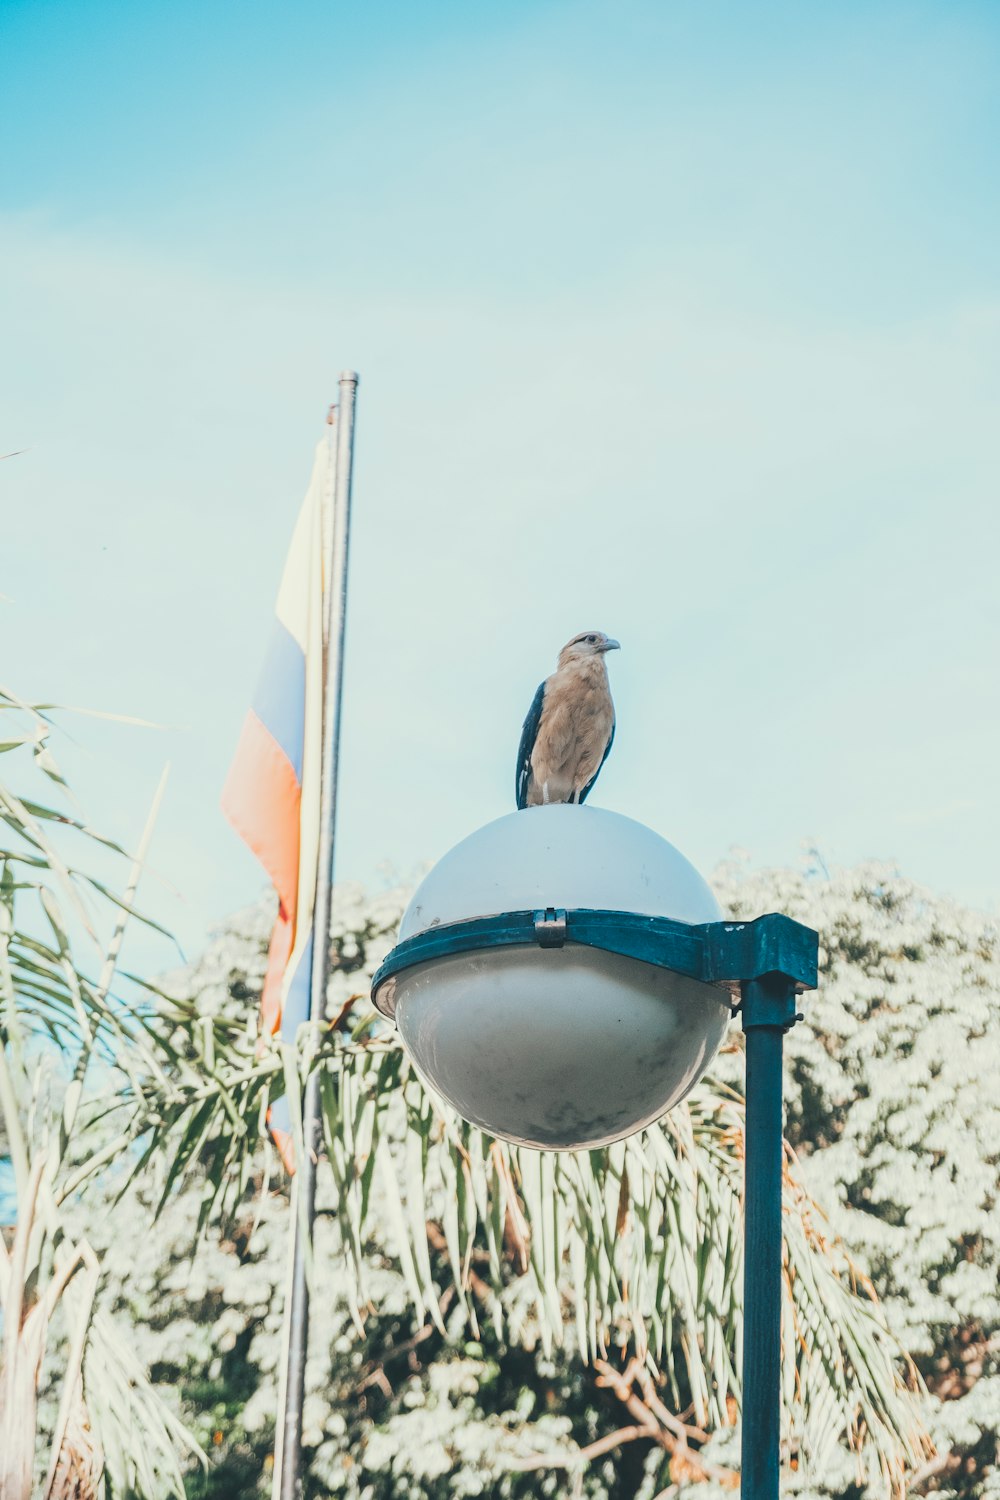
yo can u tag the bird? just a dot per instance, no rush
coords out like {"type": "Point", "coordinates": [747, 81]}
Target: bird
{"type": "Point", "coordinates": [570, 726]}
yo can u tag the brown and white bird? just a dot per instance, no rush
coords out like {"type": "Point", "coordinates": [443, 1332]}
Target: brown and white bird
{"type": "Point", "coordinates": [570, 726]}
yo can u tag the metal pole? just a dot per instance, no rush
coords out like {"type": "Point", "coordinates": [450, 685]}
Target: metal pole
{"type": "Point", "coordinates": [768, 1010]}
{"type": "Point", "coordinates": [290, 1477]}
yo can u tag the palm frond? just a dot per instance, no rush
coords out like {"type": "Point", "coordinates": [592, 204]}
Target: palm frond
{"type": "Point", "coordinates": [48, 1126]}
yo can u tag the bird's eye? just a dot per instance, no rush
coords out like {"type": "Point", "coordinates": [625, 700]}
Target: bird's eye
{"type": "Point", "coordinates": [592, 640]}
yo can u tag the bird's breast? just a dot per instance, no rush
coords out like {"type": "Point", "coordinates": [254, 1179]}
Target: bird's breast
{"type": "Point", "coordinates": [576, 722]}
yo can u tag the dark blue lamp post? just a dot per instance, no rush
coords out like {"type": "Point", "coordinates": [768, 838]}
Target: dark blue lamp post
{"type": "Point", "coordinates": [563, 977]}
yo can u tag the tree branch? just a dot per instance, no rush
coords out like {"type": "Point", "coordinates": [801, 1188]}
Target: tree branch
{"type": "Point", "coordinates": [671, 1436]}
{"type": "Point", "coordinates": [584, 1455]}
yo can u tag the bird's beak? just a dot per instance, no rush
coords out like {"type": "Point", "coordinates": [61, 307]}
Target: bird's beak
{"type": "Point", "coordinates": [611, 646]}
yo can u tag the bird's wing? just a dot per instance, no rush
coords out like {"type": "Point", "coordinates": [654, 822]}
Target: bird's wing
{"type": "Point", "coordinates": [528, 736]}
{"type": "Point", "coordinates": [607, 751]}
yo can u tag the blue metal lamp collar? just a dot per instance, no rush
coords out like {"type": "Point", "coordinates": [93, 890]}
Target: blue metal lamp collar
{"type": "Point", "coordinates": [728, 954]}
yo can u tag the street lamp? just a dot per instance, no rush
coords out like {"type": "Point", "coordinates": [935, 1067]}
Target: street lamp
{"type": "Point", "coordinates": [563, 977]}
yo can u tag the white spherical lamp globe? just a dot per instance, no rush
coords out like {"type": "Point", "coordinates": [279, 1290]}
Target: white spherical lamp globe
{"type": "Point", "coordinates": [565, 1048]}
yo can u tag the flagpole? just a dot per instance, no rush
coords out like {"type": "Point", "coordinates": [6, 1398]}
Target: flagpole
{"type": "Point", "coordinates": [289, 1439]}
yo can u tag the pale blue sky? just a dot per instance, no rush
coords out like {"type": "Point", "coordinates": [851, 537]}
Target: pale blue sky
{"type": "Point", "coordinates": [675, 321]}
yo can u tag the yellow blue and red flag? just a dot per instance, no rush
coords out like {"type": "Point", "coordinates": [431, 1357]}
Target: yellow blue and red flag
{"type": "Point", "coordinates": [272, 792]}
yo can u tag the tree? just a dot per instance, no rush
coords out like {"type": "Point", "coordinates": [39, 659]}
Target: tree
{"type": "Point", "coordinates": [893, 1106]}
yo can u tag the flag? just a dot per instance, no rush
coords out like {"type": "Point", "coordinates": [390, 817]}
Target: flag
{"type": "Point", "coordinates": [272, 792]}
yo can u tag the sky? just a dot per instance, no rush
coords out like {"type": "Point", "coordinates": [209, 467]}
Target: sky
{"type": "Point", "coordinates": [679, 322]}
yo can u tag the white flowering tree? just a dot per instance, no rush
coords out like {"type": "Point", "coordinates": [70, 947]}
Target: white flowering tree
{"type": "Point", "coordinates": [894, 1109]}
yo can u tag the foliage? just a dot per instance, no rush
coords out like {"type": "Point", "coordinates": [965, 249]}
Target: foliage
{"type": "Point", "coordinates": [457, 1282]}
{"type": "Point", "coordinates": [893, 1105]}
{"type": "Point", "coordinates": [463, 1220]}
{"type": "Point", "coordinates": [51, 1103]}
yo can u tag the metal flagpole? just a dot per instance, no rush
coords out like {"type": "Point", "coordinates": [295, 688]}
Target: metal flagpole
{"type": "Point", "coordinates": [289, 1477]}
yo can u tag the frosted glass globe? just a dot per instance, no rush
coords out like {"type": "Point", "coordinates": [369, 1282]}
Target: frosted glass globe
{"type": "Point", "coordinates": [565, 1048]}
